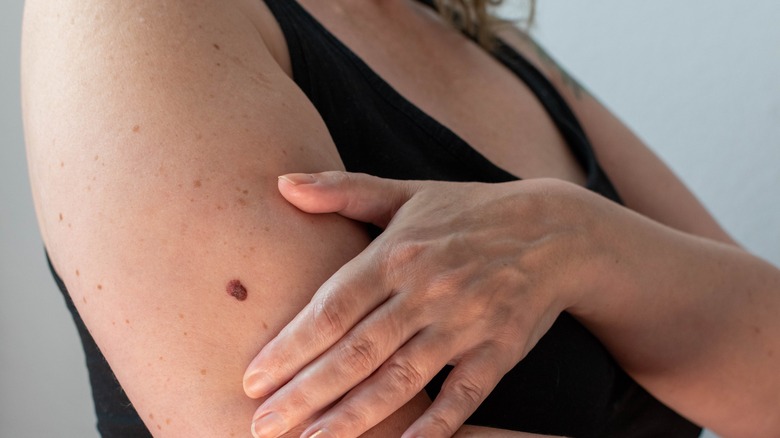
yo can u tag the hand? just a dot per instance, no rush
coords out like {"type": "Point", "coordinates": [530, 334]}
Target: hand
{"type": "Point", "coordinates": [467, 274]}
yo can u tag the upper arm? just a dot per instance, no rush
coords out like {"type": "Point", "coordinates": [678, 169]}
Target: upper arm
{"type": "Point", "coordinates": [155, 133]}
{"type": "Point", "coordinates": [644, 182]}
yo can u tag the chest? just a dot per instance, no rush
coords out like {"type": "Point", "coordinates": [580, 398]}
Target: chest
{"type": "Point", "coordinates": [450, 78]}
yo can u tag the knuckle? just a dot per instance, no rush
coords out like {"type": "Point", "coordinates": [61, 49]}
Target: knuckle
{"type": "Point", "coordinates": [329, 318]}
{"type": "Point", "coordinates": [405, 375]}
{"type": "Point", "coordinates": [468, 390]}
{"type": "Point", "coordinates": [440, 425]}
{"type": "Point", "coordinates": [359, 355]}
{"type": "Point", "coordinates": [354, 418]}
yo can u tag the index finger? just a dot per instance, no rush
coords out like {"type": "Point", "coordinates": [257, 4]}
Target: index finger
{"type": "Point", "coordinates": [355, 290]}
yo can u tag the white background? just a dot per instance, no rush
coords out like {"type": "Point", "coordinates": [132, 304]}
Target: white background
{"type": "Point", "coordinates": [699, 81]}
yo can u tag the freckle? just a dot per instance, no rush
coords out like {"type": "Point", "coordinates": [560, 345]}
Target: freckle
{"type": "Point", "coordinates": [241, 201]}
{"type": "Point", "coordinates": [60, 217]}
{"type": "Point", "coordinates": [236, 290]}
{"type": "Point", "coordinates": [127, 321]}
{"type": "Point", "coordinates": [198, 136]}
{"type": "Point", "coordinates": [267, 229]}
{"type": "Point", "coordinates": [216, 46]}
{"type": "Point", "coordinates": [197, 183]}
{"type": "Point", "coordinates": [203, 372]}
{"type": "Point", "coordinates": [62, 164]}
{"type": "Point", "coordinates": [192, 199]}
{"type": "Point", "coordinates": [100, 287]}
{"type": "Point", "coordinates": [96, 157]}
{"type": "Point", "coordinates": [159, 427]}
{"type": "Point", "coordinates": [168, 421]}
{"type": "Point", "coordinates": [70, 225]}
{"type": "Point", "coordinates": [252, 248]}
{"type": "Point", "coordinates": [219, 64]}
{"type": "Point", "coordinates": [160, 358]}
{"type": "Point", "coordinates": [219, 207]}
{"type": "Point", "coordinates": [186, 334]}
{"type": "Point", "coordinates": [265, 326]}
{"type": "Point", "coordinates": [151, 416]}
{"type": "Point", "coordinates": [113, 322]}
{"type": "Point", "coordinates": [246, 192]}
{"type": "Point", "coordinates": [84, 300]}
{"type": "Point", "coordinates": [181, 316]}
{"type": "Point", "coordinates": [78, 273]}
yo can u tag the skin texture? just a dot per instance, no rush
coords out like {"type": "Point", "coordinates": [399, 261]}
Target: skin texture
{"type": "Point", "coordinates": [672, 234]}
{"type": "Point", "coordinates": [155, 133]}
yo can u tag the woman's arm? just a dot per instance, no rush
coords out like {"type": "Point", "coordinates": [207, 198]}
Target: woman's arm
{"type": "Point", "coordinates": [155, 133]}
{"type": "Point", "coordinates": [688, 314]}
{"type": "Point", "coordinates": [696, 323]}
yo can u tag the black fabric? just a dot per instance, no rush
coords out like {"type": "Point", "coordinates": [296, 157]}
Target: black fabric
{"type": "Point", "coordinates": [569, 384]}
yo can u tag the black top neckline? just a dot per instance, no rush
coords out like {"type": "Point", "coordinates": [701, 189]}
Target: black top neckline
{"type": "Point", "coordinates": [527, 73]}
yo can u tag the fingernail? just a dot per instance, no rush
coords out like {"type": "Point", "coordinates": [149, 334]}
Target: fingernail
{"type": "Point", "coordinates": [258, 384]}
{"type": "Point", "coordinates": [299, 178]}
{"type": "Point", "coordinates": [321, 433]}
{"type": "Point", "coordinates": [270, 425]}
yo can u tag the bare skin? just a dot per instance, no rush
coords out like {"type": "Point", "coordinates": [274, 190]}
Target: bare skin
{"type": "Point", "coordinates": [683, 373]}
{"type": "Point", "coordinates": [155, 133]}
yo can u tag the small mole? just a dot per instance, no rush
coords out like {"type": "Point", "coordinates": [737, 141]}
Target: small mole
{"type": "Point", "coordinates": [168, 421]}
{"type": "Point", "coordinates": [265, 326]}
{"type": "Point", "coordinates": [96, 157]}
{"type": "Point", "coordinates": [100, 287]}
{"type": "Point", "coordinates": [181, 316]}
{"type": "Point", "coordinates": [136, 128]}
{"type": "Point", "coordinates": [160, 358]}
{"type": "Point", "coordinates": [236, 290]}
{"type": "Point", "coordinates": [62, 164]}
{"type": "Point", "coordinates": [202, 372]}
{"type": "Point", "coordinates": [60, 217]}
{"type": "Point", "coordinates": [197, 183]}
{"type": "Point", "coordinates": [219, 64]}
{"type": "Point", "coordinates": [216, 46]}
{"type": "Point", "coordinates": [151, 416]}
{"type": "Point", "coordinates": [84, 300]}
{"type": "Point", "coordinates": [185, 334]}
{"type": "Point", "coordinates": [78, 273]}
{"type": "Point", "coordinates": [127, 321]}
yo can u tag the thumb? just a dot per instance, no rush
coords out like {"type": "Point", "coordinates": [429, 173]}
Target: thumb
{"type": "Point", "coordinates": [357, 196]}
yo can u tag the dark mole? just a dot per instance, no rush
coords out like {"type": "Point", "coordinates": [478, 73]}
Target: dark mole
{"type": "Point", "coordinates": [136, 128]}
{"type": "Point", "coordinates": [236, 290]}
{"type": "Point", "coordinates": [216, 46]}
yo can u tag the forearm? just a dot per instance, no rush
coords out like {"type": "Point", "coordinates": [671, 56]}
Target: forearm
{"type": "Point", "coordinates": [694, 321]}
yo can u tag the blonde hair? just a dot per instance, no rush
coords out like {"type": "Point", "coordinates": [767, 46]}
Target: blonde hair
{"type": "Point", "coordinates": [475, 17]}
